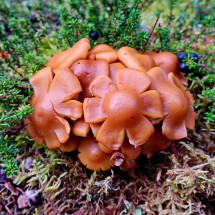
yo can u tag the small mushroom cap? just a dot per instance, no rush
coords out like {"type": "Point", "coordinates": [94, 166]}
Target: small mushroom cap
{"type": "Point", "coordinates": [103, 52]}
{"type": "Point", "coordinates": [41, 82]}
{"type": "Point", "coordinates": [33, 133]}
{"type": "Point", "coordinates": [95, 128]}
{"type": "Point", "coordinates": [150, 53]}
{"type": "Point", "coordinates": [191, 114]}
{"type": "Point", "coordinates": [87, 71]}
{"type": "Point", "coordinates": [60, 88]}
{"type": "Point", "coordinates": [134, 60]}
{"type": "Point", "coordinates": [128, 165]}
{"type": "Point", "coordinates": [129, 151]}
{"type": "Point", "coordinates": [70, 145]}
{"type": "Point", "coordinates": [156, 142]}
{"type": "Point", "coordinates": [80, 128]}
{"type": "Point", "coordinates": [66, 58]}
{"type": "Point", "coordinates": [169, 63]}
{"type": "Point", "coordinates": [114, 68]}
{"type": "Point", "coordinates": [104, 148]}
{"type": "Point", "coordinates": [91, 156]}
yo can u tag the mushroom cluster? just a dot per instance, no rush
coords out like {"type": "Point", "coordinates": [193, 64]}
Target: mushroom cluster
{"type": "Point", "coordinates": [111, 105]}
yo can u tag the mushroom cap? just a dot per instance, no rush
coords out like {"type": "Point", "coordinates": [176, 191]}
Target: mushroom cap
{"type": "Point", "coordinates": [103, 52]}
{"type": "Point", "coordinates": [156, 142]}
{"type": "Point", "coordinates": [95, 128]}
{"type": "Point", "coordinates": [175, 103]}
{"type": "Point", "coordinates": [129, 151]}
{"type": "Point", "coordinates": [87, 71]}
{"type": "Point", "coordinates": [114, 68]}
{"type": "Point", "coordinates": [132, 59]}
{"type": "Point", "coordinates": [150, 53]}
{"type": "Point", "coordinates": [91, 155]}
{"type": "Point", "coordinates": [66, 58]}
{"type": "Point", "coordinates": [104, 148]}
{"type": "Point", "coordinates": [70, 145]}
{"type": "Point", "coordinates": [122, 108]}
{"type": "Point", "coordinates": [80, 128]}
{"type": "Point", "coordinates": [128, 165]}
{"type": "Point", "coordinates": [167, 61]}
{"type": "Point", "coordinates": [121, 105]}
{"type": "Point", "coordinates": [33, 133]}
{"type": "Point", "coordinates": [52, 101]}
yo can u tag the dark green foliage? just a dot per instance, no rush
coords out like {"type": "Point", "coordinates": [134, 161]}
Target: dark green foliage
{"type": "Point", "coordinates": [14, 96]}
{"type": "Point", "coordinates": [115, 29]}
{"type": "Point", "coordinates": [164, 36]}
{"type": "Point", "coordinates": [210, 113]}
{"type": "Point", "coordinates": [7, 154]}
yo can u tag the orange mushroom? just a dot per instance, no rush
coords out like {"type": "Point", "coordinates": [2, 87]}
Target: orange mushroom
{"type": "Point", "coordinates": [53, 100]}
{"type": "Point", "coordinates": [103, 52]}
{"type": "Point", "coordinates": [131, 58]}
{"type": "Point", "coordinates": [129, 151]}
{"type": "Point", "coordinates": [123, 108]}
{"type": "Point", "coordinates": [80, 128]}
{"type": "Point", "coordinates": [86, 71]}
{"type": "Point", "coordinates": [70, 145]}
{"type": "Point", "coordinates": [114, 67]}
{"type": "Point", "coordinates": [126, 158]}
{"type": "Point", "coordinates": [178, 112]}
{"type": "Point", "coordinates": [66, 58]}
{"type": "Point", "coordinates": [91, 156]}
{"type": "Point", "coordinates": [125, 95]}
{"type": "Point", "coordinates": [95, 128]}
{"type": "Point", "coordinates": [156, 142]}
{"type": "Point", "coordinates": [169, 63]}
{"type": "Point", "coordinates": [128, 165]}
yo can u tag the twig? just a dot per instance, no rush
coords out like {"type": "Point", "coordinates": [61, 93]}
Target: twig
{"type": "Point", "coordinates": [152, 31]}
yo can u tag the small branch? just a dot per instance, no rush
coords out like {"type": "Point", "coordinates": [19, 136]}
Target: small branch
{"type": "Point", "coordinates": [152, 31]}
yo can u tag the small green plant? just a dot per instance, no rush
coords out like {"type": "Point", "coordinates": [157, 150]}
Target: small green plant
{"type": "Point", "coordinates": [210, 113]}
{"type": "Point", "coordinates": [7, 154]}
{"type": "Point", "coordinates": [14, 97]}
{"type": "Point", "coordinates": [164, 36]}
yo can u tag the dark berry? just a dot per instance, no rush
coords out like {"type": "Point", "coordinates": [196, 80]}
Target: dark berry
{"type": "Point", "coordinates": [183, 67]}
{"type": "Point", "coordinates": [181, 56]}
{"type": "Point", "coordinates": [7, 28]}
{"type": "Point", "coordinates": [94, 35]}
{"type": "Point", "coordinates": [33, 17]}
{"type": "Point", "coordinates": [194, 56]}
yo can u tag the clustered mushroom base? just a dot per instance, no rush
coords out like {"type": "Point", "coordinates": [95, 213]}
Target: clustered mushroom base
{"type": "Point", "coordinates": [111, 105]}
